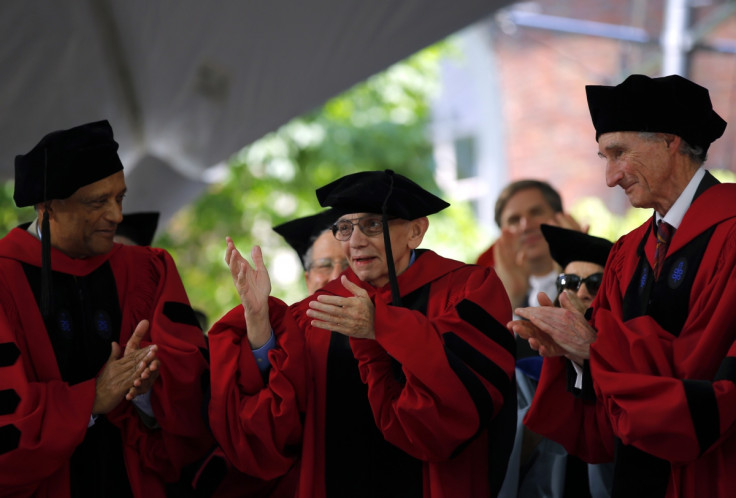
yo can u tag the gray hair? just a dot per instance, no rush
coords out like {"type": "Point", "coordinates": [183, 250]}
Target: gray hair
{"type": "Point", "coordinates": [697, 154]}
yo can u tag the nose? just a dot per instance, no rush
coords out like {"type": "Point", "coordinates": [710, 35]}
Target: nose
{"type": "Point", "coordinates": [115, 212]}
{"type": "Point", "coordinates": [583, 292]}
{"type": "Point", "coordinates": [613, 173]}
{"type": "Point", "coordinates": [358, 238]}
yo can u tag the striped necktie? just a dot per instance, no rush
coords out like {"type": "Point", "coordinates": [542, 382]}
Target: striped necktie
{"type": "Point", "coordinates": [664, 235]}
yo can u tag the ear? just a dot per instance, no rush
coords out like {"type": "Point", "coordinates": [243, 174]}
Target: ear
{"type": "Point", "coordinates": [417, 229]}
{"type": "Point", "coordinates": [673, 141]}
{"type": "Point", "coordinates": [42, 207]}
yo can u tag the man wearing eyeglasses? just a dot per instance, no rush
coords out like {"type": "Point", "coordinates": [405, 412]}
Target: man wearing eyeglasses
{"type": "Point", "coordinates": [395, 380]}
{"type": "Point", "coordinates": [319, 252]}
{"type": "Point", "coordinates": [658, 384]}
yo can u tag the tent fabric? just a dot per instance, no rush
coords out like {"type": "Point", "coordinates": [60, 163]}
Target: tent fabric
{"type": "Point", "coordinates": [184, 83]}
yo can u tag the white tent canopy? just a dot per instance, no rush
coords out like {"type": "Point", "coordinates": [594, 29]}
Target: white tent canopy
{"type": "Point", "coordinates": [187, 83]}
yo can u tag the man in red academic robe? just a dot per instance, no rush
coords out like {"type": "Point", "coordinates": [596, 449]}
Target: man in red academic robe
{"type": "Point", "coordinates": [651, 376]}
{"type": "Point", "coordinates": [394, 380]}
{"type": "Point", "coordinates": [101, 356]}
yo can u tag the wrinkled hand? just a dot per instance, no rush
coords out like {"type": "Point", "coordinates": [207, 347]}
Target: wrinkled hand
{"type": "Point", "coordinates": [118, 375]}
{"type": "Point", "coordinates": [144, 383]}
{"type": "Point", "coordinates": [509, 264]}
{"type": "Point", "coordinates": [351, 316]}
{"type": "Point", "coordinates": [538, 340]}
{"type": "Point", "coordinates": [254, 286]}
{"type": "Point", "coordinates": [556, 331]}
{"type": "Point", "coordinates": [564, 220]}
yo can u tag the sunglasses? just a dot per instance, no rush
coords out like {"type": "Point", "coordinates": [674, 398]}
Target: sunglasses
{"type": "Point", "coordinates": [570, 281]}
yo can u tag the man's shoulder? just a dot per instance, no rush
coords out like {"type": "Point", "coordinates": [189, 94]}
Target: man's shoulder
{"type": "Point", "coordinates": [140, 258]}
{"type": "Point", "coordinates": [433, 267]}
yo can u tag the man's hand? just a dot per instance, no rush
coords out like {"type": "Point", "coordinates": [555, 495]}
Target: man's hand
{"type": "Point", "coordinates": [564, 220]}
{"type": "Point", "coordinates": [254, 286]}
{"type": "Point", "coordinates": [118, 375]}
{"type": "Point", "coordinates": [509, 264]}
{"type": "Point", "coordinates": [556, 331]}
{"type": "Point", "coordinates": [144, 383]}
{"type": "Point", "coordinates": [351, 316]}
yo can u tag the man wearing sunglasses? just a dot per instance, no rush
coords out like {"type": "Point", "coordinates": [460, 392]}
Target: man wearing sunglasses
{"type": "Point", "coordinates": [582, 258]}
{"type": "Point", "coordinates": [655, 383]}
{"type": "Point", "coordinates": [395, 380]}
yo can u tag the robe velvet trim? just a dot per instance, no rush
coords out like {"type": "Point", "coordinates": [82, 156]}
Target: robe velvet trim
{"type": "Point", "coordinates": [52, 415]}
{"type": "Point", "coordinates": [432, 414]}
{"type": "Point", "coordinates": [655, 391]}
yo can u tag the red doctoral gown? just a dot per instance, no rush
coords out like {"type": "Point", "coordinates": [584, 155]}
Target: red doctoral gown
{"type": "Point", "coordinates": [438, 381]}
{"type": "Point", "coordinates": [45, 418]}
{"type": "Point", "coordinates": [664, 364]}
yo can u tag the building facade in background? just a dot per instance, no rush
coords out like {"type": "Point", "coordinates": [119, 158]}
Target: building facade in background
{"type": "Point", "coordinates": [513, 103]}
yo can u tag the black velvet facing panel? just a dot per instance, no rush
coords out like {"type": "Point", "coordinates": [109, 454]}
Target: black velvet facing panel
{"type": "Point", "coordinates": [701, 399]}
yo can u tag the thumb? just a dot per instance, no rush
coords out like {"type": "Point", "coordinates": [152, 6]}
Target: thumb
{"type": "Point", "coordinates": [544, 299]}
{"type": "Point", "coordinates": [356, 290]}
{"type": "Point", "coordinates": [566, 302]}
{"type": "Point", "coordinates": [135, 340]}
{"type": "Point", "coordinates": [114, 351]}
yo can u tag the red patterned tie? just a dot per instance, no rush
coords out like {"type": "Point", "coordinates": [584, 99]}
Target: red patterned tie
{"type": "Point", "coordinates": [664, 235]}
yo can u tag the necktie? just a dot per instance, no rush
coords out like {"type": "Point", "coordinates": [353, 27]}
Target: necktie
{"type": "Point", "coordinates": [664, 235]}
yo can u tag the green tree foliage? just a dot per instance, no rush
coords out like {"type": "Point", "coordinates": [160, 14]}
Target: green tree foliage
{"type": "Point", "coordinates": [378, 124]}
{"type": "Point", "coordinates": [10, 216]}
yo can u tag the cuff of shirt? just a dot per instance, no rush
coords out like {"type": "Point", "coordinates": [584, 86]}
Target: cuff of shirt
{"type": "Point", "coordinates": [579, 380]}
{"type": "Point", "coordinates": [143, 403]}
{"type": "Point", "coordinates": [261, 354]}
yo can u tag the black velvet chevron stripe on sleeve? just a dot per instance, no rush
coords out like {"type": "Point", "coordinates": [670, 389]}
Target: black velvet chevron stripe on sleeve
{"type": "Point", "coordinates": [482, 365]}
{"type": "Point", "coordinates": [481, 398]}
{"type": "Point", "coordinates": [479, 318]}
{"type": "Point", "coordinates": [180, 313]}
{"type": "Point", "coordinates": [727, 370]}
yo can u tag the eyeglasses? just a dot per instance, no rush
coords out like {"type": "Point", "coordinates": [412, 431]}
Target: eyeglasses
{"type": "Point", "coordinates": [369, 225]}
{"type": "Point", "coordinates": [573, 282]}
{"type": "Point", "coordinates": [325, 266]}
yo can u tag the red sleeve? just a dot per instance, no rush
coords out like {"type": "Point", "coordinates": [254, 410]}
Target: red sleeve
{"type": "Point", "coordinates": [150, 288]}
{"type": "Point", "coordinates": [580, 425]}
{"type": "Point", "coordinates": [486, 259]}
{"type": "Point", "coordinates": [458, 362]}
{"type": "Point", "coordinates": [657, 388]}
{"type": "Point", "coordinates": [257, 423]}
{"type": "Point", "coordinates": [41, 423]}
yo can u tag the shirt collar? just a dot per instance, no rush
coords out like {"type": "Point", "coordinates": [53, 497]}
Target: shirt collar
{"type": "Point", "coordinates": [682, 204]}
{"type": "Point", "coordinates": [35, 229]}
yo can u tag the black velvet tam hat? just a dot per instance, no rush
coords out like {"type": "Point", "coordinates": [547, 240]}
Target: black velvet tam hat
{"type": "Point", "coordinates": [139, 227]}
{"type": "Point", "coordinates": [567, 246]}
{"type": "Point", "coordinates": [368, 191]}
{"type": "Point", "coordinates": [670, 104]}
{"type": "Point", "coordinates": [301, 233]}
{"type": "Point", "coordinates": [65, 160]}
